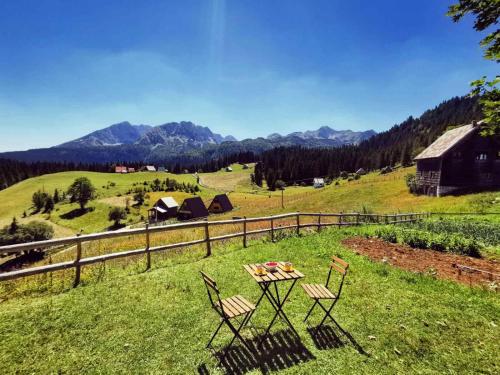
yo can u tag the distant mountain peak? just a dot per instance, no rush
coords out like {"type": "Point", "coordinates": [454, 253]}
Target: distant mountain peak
{"type": "Point", "coordinates": [122, 133]}
{"type": "Point", "coordinates": [327, 136]}
{"type": "Point", "coordinates": [172, 133]}
{"type": "Point", "coordinates": [184, 133]}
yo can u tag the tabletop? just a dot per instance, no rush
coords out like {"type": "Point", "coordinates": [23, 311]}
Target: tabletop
{"type": "Point", "coordinates": [278, 275]}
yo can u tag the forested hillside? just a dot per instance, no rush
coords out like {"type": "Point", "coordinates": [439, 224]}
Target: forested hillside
{"type": "Point", "coordinates": [13, 171]}
{"type": "Point", "coordinates": [397, 145]}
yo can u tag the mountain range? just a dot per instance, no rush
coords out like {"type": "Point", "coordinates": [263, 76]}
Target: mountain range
{"type": "Point", "coordinates": [176, 142]}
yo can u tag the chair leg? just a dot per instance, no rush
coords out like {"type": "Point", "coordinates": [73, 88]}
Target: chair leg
{"type": "Point", "coordinates": [327, 313]}
{"type": "Point", "coordinates": [310, 310]}
{"type": "Point", "coordinates": [215, 333]}
{"type": "Point", "coordinates": [236, 333]}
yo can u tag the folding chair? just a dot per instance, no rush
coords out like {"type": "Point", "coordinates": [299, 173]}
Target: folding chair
{"type": "Point", "coordinates": [228, 309]}
{"type": "Point", "coordinates": [319, 292]}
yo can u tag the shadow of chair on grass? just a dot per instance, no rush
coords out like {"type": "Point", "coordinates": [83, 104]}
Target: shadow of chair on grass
{"type": "Point", "coordinates": [325, 337]}
{"type": "Point", "coordinates": [278, 351]}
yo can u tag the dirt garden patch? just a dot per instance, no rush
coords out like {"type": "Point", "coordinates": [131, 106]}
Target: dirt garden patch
{"type": "Point", "coordinates": [442, 265]}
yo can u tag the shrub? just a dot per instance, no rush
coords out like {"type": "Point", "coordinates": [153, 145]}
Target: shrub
{"type": "Point", "coordinates": [33, 231]}
{"type": "Point", "coordinates": [387, 234]}
{"type": "Point", "coordinates": [117, 214]}
{"type": "Point", "coordinates": [415, 238]}
{"type": "Point", "coordinates": [411, 182]}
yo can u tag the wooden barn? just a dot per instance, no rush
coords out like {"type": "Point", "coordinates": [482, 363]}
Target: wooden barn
{"type": "Point", "coordinates": [164, 209]}
{"type": "Point", "coordinates": [220, 204]}
{"type": "Point", "coordinates": [459, 160]}
{"type": "Point", "coordinates": [192, 208]}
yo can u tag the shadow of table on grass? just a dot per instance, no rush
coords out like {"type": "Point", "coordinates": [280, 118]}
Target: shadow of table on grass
{"type": "Point", "coordinates": [279, 351]}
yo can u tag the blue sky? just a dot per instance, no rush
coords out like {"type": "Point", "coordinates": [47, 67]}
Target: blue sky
{"type": "Point", "coordinates": [242, 67]}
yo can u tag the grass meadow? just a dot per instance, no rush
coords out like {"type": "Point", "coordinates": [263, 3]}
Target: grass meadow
{"type": "Point", "coordinates": [124, 320]}
{"type": "Point", "coordinates": [372, 193]}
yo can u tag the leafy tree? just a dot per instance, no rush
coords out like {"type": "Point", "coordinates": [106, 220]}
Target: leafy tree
{"type": "Point", "coordinates": [49, 204]}
{"type": "Point", "coordinates": [139, 196]}
{"type": "Point", "coordinates": [39, 198]}
{"type": "Point", "coordinates": [81, 191]}
{"type": "Point", "coordinates": [56, 197]}
{"type": "Point", "coordinates": [486, 13]}
{"type": "Point", "coordinates": [117, 214]}
{"type": "Point", "coordinates": [13, 226]}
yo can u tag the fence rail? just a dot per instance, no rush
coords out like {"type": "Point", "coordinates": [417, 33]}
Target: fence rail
{"type": "Point", "coordinates": [344, 219]}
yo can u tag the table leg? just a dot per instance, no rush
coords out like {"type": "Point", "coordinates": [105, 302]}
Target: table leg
{"type": "Point", "coordinates": [278, 304]}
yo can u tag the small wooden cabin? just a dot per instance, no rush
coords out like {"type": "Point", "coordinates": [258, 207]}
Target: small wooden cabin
{"type": "Point", "coordinates": [220, 204]}
{"type": "Point", "coordinates": [120, 169]}
{"type": "Point", "coordinates": [164, 209]}
{"type": "Point", "coordinates": [192, 208]}
{"type": "Point", "coordinates": [459, 160]}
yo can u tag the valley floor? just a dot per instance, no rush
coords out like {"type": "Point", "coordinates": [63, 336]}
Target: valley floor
{"type": "Point", "coordinates": [372, 193]}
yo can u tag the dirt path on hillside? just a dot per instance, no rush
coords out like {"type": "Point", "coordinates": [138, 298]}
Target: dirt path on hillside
{"type": "Point", "coordinates": [442, 265]}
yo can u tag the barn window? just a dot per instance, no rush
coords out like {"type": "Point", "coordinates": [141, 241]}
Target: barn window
{"type": "Point", "coordinates": [482, 156]}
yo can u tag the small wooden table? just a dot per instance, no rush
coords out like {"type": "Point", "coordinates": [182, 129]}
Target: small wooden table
{"type": "Point", "coordinates": [265, 282]}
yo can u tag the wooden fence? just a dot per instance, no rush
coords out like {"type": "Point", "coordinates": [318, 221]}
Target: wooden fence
{"type": "Point", "coordinates": [343, 219]}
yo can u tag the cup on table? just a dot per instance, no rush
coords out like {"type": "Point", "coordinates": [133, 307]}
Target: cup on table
{"type": "Point", "coordinates": [259, 269]}
{"type": "Point", "coordinates": [288, 266]}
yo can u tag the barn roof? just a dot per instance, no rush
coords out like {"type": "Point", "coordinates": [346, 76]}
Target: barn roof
{"type": "Point", "coordinates": [446, 142]}
{"type": "Point", "coordinates": [318, 180]}
{"type": "Point", "coordinates": [169, 202]}
{"type": "Point", "coordinates": [224, 202]}
{"type": "Point", "coordinates": [159, 209]}
{"type": "Point", "coordinates": [194, 206]}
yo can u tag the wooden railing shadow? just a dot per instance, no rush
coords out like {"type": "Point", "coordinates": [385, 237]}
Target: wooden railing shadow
{"type": "Point", "coordinates": [281, 350]}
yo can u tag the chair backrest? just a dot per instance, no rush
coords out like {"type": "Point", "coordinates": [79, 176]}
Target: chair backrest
{"type": "Point", "coordinates": [213, 292]}
{"type": "Point", "coordinates": [340, 266]}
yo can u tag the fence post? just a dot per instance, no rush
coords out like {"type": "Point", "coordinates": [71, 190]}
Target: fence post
{"type": "Point", "coordinates": [272, 229]}
{"type": "Point", "coordinates": [340, 220]}
{"type": "Point", "coordinates": [298, 223]}
{"type": "Point", "coordinates": [357, 219]}
{"type": "Point", "coordinates": [244, 231]}
{"type": "Point", "coordinates": [319, 222]}
{"type": "Point", "coordinates": [207, 239]}
{"type": "Point", "coordinates": [78, 267]}
{"type": "Point", "coordinates": [148, 253]}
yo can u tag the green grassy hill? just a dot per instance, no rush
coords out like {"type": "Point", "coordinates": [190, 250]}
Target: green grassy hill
{"type": "Point", "coordinates": [372, 193]}
{"type": "Point", "coordinates": [159, 322]}
{"type": "Point", "coordinates": [111, 190]}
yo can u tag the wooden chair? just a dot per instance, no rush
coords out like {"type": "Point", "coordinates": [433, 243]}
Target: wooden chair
{"type": "Point", "coordinates": [319, 292]}
{"type": "Point", "coordinates": [228, 309]}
